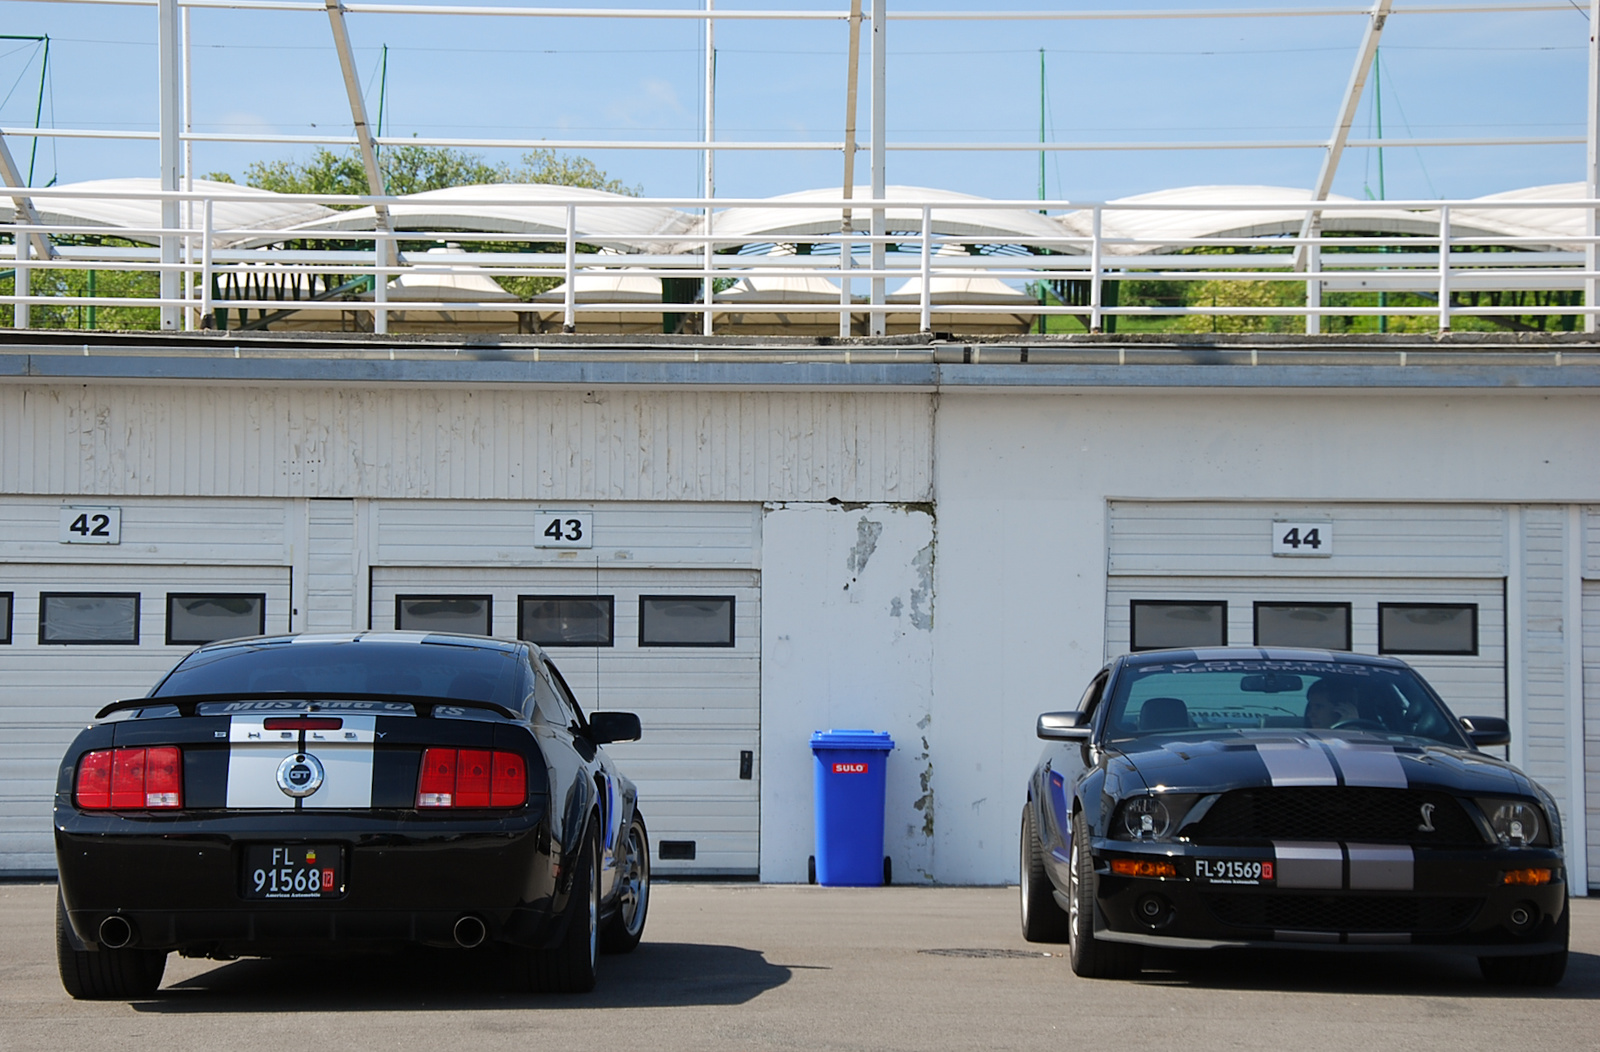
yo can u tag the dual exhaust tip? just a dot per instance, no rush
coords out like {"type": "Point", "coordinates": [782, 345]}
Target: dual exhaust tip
{"type": "Point", "coordinates": [117, 932]}
{"type": "Point", "coordinates": [469, 932]}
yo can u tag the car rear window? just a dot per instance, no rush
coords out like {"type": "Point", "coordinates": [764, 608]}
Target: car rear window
{"type": "Point", "coordinates": [1224, 696]}
{"type": "Point", "coordinates": [421, 669]}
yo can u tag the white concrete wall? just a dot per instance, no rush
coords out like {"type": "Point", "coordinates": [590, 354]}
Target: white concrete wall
{"type": "Point", "coordinates": [846, 641]}
{"type": "Point", "coordinates": [1022, 482]}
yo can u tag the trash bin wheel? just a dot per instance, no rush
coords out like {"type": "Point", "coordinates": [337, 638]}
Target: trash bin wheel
{"type": "Point", "coordinates": [888, 872]}
{"type": "Point", "coordinates": [811, 869]}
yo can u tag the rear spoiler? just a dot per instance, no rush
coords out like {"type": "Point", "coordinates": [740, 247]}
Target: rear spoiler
{"type": "Point", "coordinates": [187, 704]}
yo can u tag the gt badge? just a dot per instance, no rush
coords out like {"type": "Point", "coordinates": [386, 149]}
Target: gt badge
{"type": "Point", "coordinates": [300, 775]}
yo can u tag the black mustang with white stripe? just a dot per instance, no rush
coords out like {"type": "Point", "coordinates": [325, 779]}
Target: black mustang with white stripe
{"type": "Point", "coordinates": [328, 794]}
{"type": "Point", "coordinates": [1286, 798]}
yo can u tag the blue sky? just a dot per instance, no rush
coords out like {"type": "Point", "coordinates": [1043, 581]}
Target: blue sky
{"type": "Point", "coordinates": [1519, 73]}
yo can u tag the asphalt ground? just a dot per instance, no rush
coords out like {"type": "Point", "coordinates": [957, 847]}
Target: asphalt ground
{"type": "Point", "coordinates": [743, 966]}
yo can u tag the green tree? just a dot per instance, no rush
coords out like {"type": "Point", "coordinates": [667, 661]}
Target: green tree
{"type": "Point", "coordinates": [413, 169]}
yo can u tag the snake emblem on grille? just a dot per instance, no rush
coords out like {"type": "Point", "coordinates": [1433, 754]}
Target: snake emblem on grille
{"type": "Point", "coordinates": [1427, 819]}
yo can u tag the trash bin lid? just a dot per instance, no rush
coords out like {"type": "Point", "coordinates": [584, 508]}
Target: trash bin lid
{"type": "Point", "coordinates": [852, 739]}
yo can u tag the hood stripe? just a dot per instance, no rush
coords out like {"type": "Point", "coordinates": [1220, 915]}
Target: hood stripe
{"type": "Point", "coordinates": [1375, 766]}
{"type": "Point", "coordinates": [1296, 763]}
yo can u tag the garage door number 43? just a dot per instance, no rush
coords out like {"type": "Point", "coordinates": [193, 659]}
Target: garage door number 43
{"type": "Point", "coordinates": [564, 529]}
{"type": "Point", "coordinates": [1305, 539]}
{"type": "Point", "coordinates": [83, 525]}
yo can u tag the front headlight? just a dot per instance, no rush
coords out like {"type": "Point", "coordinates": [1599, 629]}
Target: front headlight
{"type": "Point", "coordinates": [1516, 823]}
{"type": "Point", "coordinates": [1155, 817]}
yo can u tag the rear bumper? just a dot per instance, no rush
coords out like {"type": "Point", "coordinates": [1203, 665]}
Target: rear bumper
{"type": "Point", "coordinates": [178, 881]}
{"type": "Point", "coordinates": [1456, 902]}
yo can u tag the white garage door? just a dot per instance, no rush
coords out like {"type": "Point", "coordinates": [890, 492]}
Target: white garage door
{"type": "Point", "coordinates": [1591, 722]}
{"type": "Point", "coordinates": [74, 637]}
{"type": "Point", "coordinates": [681, 647]}
{"type": "Point", "coordinates": [1452, 631]}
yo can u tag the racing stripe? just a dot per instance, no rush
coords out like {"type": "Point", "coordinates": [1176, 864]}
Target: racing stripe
{"type": "Point", "coordinates": [1378, 938]}
{"type": "Point", "coordinates": [1308, 864]}
{"type": "Point", "coordinates": [1297, 763]}
{"type": "Point", "coordinates": [255, 754]}
{"type": "Point", "coordinates": [1381, 867]}
{"type": "Point", "coordinates": [1305, 936]}
{"type": "Point", "coordinates": [1376, 766]}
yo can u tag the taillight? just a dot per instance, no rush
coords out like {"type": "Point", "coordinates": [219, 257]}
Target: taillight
{"type": "Point", "coordinates": [472, 778]}
{"type": "Point", "coordinates": [130, 779]}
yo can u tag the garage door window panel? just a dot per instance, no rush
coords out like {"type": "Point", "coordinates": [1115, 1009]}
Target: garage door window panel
{"type": "Point", "coordinates": [195, 618]}
{"type": "Point", "coordinates": [1428, 628]}
{"type": "Point", "coordinates": [567, 620]}
{"type": "Point", "coordinates": [465, 614]}
{"type": "Point", "coordinates": [1317, 626]}
{"type": "Point", "coordinates": [5, 618]}
{"type": "Point", "coordinates": [686, 621]}
{"type": "Point", "coordinates": [1156, 624]}
{"type": "Point", "coordinates": [89, 618]}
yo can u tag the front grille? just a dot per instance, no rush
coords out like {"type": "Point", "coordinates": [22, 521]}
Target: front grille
{"type": "Point", "coordinates": [1343, 913]}
{"type": "Point", "coordinates": [1337, 813]}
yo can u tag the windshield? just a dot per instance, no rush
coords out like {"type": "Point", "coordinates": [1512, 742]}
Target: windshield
{"type": "Point", "coordinates": [427, 669]}
{"type": "Point", "coordinates": [1181, 697]}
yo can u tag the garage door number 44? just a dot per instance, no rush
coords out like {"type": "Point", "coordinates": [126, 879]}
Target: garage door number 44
{"type": "Point", "coordinates": [564, 529]}
{"type": "Point", "coordinates": [84, 525]}
{"type": "Point", "coordinates": [1304, 539]}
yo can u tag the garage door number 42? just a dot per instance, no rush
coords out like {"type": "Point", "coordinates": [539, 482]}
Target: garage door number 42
{"type": "Point", "coordinates": [564, 529]}
{"type": "Point", "coordinates": [82, 525]}
{"type": "Point", "coordinates": [1305, 539]}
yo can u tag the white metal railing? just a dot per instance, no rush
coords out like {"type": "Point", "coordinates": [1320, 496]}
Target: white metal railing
{"type": "Point", "coordinates": [1482, 246]}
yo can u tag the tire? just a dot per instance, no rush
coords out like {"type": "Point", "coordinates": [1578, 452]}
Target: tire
{"type": "Point", "coordinates": [569, 967]}
{"type": "Point", "coordinates": [623, 931]}
{"type": "Point", "coordinates": [105, 975]}
{"type": "Point", "coordinates": [1090, 957]}
{"type": "Point", "coordinates": [1042, 919]}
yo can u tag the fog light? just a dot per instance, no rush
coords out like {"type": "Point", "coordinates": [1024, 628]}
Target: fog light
{"type": "Point", "coordinates": [1524, 915]}
{"type": "Point", "coordinates": [1153, 911]}
{"type": "Point", "coordinates": [1138, 867]}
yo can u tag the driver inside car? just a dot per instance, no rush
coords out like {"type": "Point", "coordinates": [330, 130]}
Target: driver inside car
{"type": "Point", "coordinates": [1331, 702]}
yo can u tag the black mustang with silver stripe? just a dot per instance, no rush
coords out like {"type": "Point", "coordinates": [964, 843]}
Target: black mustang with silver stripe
{"type": "Point", "coordinates": [326, 794]}
{"type": "Point", "coordinates": [1286, 798]}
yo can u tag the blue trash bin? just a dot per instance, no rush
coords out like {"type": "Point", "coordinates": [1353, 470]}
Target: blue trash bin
{"type": "Point", "coordinates": [849, 768]}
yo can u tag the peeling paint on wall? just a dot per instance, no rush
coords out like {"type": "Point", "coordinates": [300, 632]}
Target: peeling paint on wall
{"type": "Point", "coordinates": [923, 592]}
{"type": "Point", "coordinates": [867, 534]}
{"type": "Point", "coordinates": [924, 803]}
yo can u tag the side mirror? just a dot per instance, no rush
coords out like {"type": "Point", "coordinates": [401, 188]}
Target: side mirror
{"type": "Point", "coordinates": [608, 727]}
{"type": "Point", "coordinates": [1064, 726]}
{"type": "Point", "coordinates": [1486, 730]}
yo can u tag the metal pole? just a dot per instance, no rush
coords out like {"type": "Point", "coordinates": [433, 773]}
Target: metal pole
{"type": "Point", "coordinates": [925, 323]}
{"type": "Point", "coordinates": [569, 300]}
{"type": "Point", "coordinates": [170, 58]}
{"type": "Point", "coordinates": [879, 168]}
{"type": "Point", "coordinates": [1444, 268]}
{"type": "Point", "coordinates": [206, 220]}
{"type": "Point", "coordinates": [380, 282]}
{"type": "Point", "coordinates": [23, 287]}
{"type": "Point", "coordinates": [1383, 192]}
{"type": "Point", "coordinates": [189, 320]}
{"type": "Point", "coordinates": [1094, 270]}
{"type": "Point", "coordinates": [38, 107]}
{"type": "Point", "coordinates": [1591, 284]}
{"type": "Point", "coordinates": [851, 81]}
{"type": "Point", "coordinates": [1347, 115]}
{"type": "Point", "coordinates": [1314, 283]}
{"type": "Point", "coordinates": [709, 292]}
{"type": "Point", "coordinates": [382, 245]}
